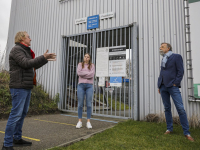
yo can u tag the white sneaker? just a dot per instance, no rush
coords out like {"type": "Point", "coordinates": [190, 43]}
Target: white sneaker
{"type": "Point", "coordinates": [79, 125]}
{"type": "Point", "coordinates": [88, 125]}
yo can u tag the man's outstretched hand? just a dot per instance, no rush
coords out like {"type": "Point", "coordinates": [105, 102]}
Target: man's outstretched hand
{"type": "Point", "coordinates": [50, 56]}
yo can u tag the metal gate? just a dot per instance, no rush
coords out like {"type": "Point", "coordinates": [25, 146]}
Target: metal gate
{"type": "Point", "coordinates": [107, 101]}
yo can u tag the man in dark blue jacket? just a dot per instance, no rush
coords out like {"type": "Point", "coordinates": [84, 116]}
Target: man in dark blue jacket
{"type": "Point", "coordinates": [169, 83]}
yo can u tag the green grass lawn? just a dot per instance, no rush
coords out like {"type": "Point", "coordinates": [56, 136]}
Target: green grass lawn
{"type": "Point", "coordinates": [138, 135]}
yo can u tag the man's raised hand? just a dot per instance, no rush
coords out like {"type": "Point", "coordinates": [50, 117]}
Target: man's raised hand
{"type": "Point", "coordinates": [50, 56]}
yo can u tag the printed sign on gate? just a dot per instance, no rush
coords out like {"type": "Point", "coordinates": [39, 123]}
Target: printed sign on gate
{"type": "Point", "coordinates": [115, 81]}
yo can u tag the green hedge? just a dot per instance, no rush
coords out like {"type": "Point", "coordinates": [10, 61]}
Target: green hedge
{"type": "Point", "coordinates": [40, 100]}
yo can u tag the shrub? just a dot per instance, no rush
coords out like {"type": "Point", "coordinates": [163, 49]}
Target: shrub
{"type": "Point", "coordinates": [40, 101]}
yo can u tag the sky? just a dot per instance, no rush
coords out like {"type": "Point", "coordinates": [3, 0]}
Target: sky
{"type": "Point", "coordinates": [5, 6]}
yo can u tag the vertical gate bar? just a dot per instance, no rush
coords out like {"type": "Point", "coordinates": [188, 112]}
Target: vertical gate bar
{"type": "Point", "coordinates": [95, 57]}
{"type": "Point", "coordinates": [105, 77]}
{"type": "Point", "coordinates": [108, 38]}
{"type": "Point", "coordinates": [120, 101]}
{"type": "Point", "coordinates": [77, 62]}
{"type": "Point", "coordinates": [97, 41]}
{"type": "Point", "coordinates": [93, 61]}
{"type": "Point", "coordinates": [81, 48]}
{"type": "Point", "coordinates": [87, 44]}
{"type": "Point", "coordinates": [124, 97]}
{"type": "Point", "coordinates": [75, 92]}
{"type": "Point", "coordinates": [84, 44]}
{"type": "Point", "coordinates": [101, 39]}
{"type": "Point", "coordinates": [90, 43]}
{"type": "Point", "coordinates": [130, 79]}
{"type": "Point", "coordinates": [111, 86]}
{"type": "Point", "coordinates": [107, 97]}
{"type": "Point", "coordinates": [62, 72]}
{"type": "Point", "coordinates": [67, 75]}
{"type": "Point", "coordinates": [125, 77]}
{"type": "Point", "coordinates": [102, 87]}
{"type": "Point", "coordinates": [72, 97]}
{"type": "Point", "coordinates": [64, 75]}
{"type": "Point", "coordinates": [115, 100]}
{"type": "Point", "coordinates": [103, 99]}
{"type": "Point", "coordinates": [80, 52]}
{"type": "Point", "coordinates": [71, 66]}
{"type": "Point", "coordinates": [111, 103]}
{"type": "Point", "coordinates": [91, 53]}
{"type": "Point", "coordinates": [132, 84]}
{"type": "Point", "coordinates": [120, 36]}
{"type": "Point", "coordinates": [63, 48]}
{"type": "Point", "coordinates": [116, 87]}
{"type": "Point", "coordinates": [108, 77]}
{"type": "Point", "coordinates": [135, 55]}
{"type": "Point", "coordinates": [70, 72]}
{"type": "Point", "coordinates": [83, 60]}
{"type": "Point", "coordinates": [116, 37]}
{"type": "Point", "coordinates": [99, 100]}
{"type": "Point", "coordinates": [112, 37]}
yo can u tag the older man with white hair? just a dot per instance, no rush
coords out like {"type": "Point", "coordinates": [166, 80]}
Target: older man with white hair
{"type": "Point", "coordinates": [22, 63]}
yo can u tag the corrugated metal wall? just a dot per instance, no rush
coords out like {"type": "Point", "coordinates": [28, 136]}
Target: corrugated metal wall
{"type": "Point", "coordinates": [159, 21]}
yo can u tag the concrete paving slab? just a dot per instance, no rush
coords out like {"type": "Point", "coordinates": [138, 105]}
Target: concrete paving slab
{"type": "Point", "coordinates": [47, 131]}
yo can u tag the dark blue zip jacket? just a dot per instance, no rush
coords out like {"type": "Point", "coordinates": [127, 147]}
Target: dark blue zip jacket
{"type": "Point", "coordinates": [173, 71]}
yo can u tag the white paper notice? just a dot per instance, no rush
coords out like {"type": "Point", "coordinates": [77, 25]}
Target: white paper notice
{"type": "Point", "coordinates": [102, 62]}
{"type": "Point", "coordinates": [117, 61]}
{"type": "Point", "coordinates": [101, 81]}
{"type": "Point", "coordinates": [117, 68]}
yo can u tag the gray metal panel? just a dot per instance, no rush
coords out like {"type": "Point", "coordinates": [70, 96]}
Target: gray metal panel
{"type": "Point", "coordinates": [159, 21]}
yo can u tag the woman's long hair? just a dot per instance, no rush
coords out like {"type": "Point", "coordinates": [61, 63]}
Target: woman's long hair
{"type": "Point", "coordinates": [89, 63]}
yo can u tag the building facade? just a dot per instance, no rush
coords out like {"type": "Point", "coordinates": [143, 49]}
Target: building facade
{"type": "Point", "coordinates": [157, 21]}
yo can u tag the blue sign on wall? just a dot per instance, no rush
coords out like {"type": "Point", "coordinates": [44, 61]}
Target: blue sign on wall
{"type": "Point", "coordinates": [93, 22]}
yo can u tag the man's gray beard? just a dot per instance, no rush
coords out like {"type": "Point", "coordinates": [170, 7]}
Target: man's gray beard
{"type": "Point", "coordinates": [162, 53]}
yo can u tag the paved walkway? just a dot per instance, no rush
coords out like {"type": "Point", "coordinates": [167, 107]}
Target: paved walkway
{"type": "Point", "coordinates": [47, 131]}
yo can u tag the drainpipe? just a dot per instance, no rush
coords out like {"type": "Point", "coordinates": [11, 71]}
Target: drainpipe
{"type": "Point", "coordinates": [191, 97]}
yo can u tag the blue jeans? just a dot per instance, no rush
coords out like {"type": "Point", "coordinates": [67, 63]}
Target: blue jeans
{"type": "Point", "coordinates": [84, 89]}
{"type": "Point", "coordinates": [20, 105]}
{"type": "Point", "coordinates": [176, 96]}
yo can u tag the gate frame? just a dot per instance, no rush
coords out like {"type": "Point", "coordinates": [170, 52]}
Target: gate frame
{"type": "Point", "coordinates": [135, 55]}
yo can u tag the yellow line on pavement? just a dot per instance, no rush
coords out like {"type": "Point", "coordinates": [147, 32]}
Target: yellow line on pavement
{"type": "Point", "coordinates": [26, 137]}
{"type": "Point", "coordinates": [55, 122]}
{"type": "Point", "coordinates": [31, 138]}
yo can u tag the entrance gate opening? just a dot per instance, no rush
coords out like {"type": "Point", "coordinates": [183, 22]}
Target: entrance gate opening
{"type": "Point", "coordinates": [108, 101]}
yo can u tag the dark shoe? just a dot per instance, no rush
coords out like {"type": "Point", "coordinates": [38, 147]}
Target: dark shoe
{"type": "Point", "coordinates": [7, 148]}
{"type": "Point", "coordinates": [167, 132]}
{"type": "Point", "coordinates": [21, 142]}
{"type": "Point", "coordinates": [189, 138]}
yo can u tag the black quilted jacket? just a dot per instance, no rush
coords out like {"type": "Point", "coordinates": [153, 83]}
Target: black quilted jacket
{"type": "Point", "coordinates": [21, 67]}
